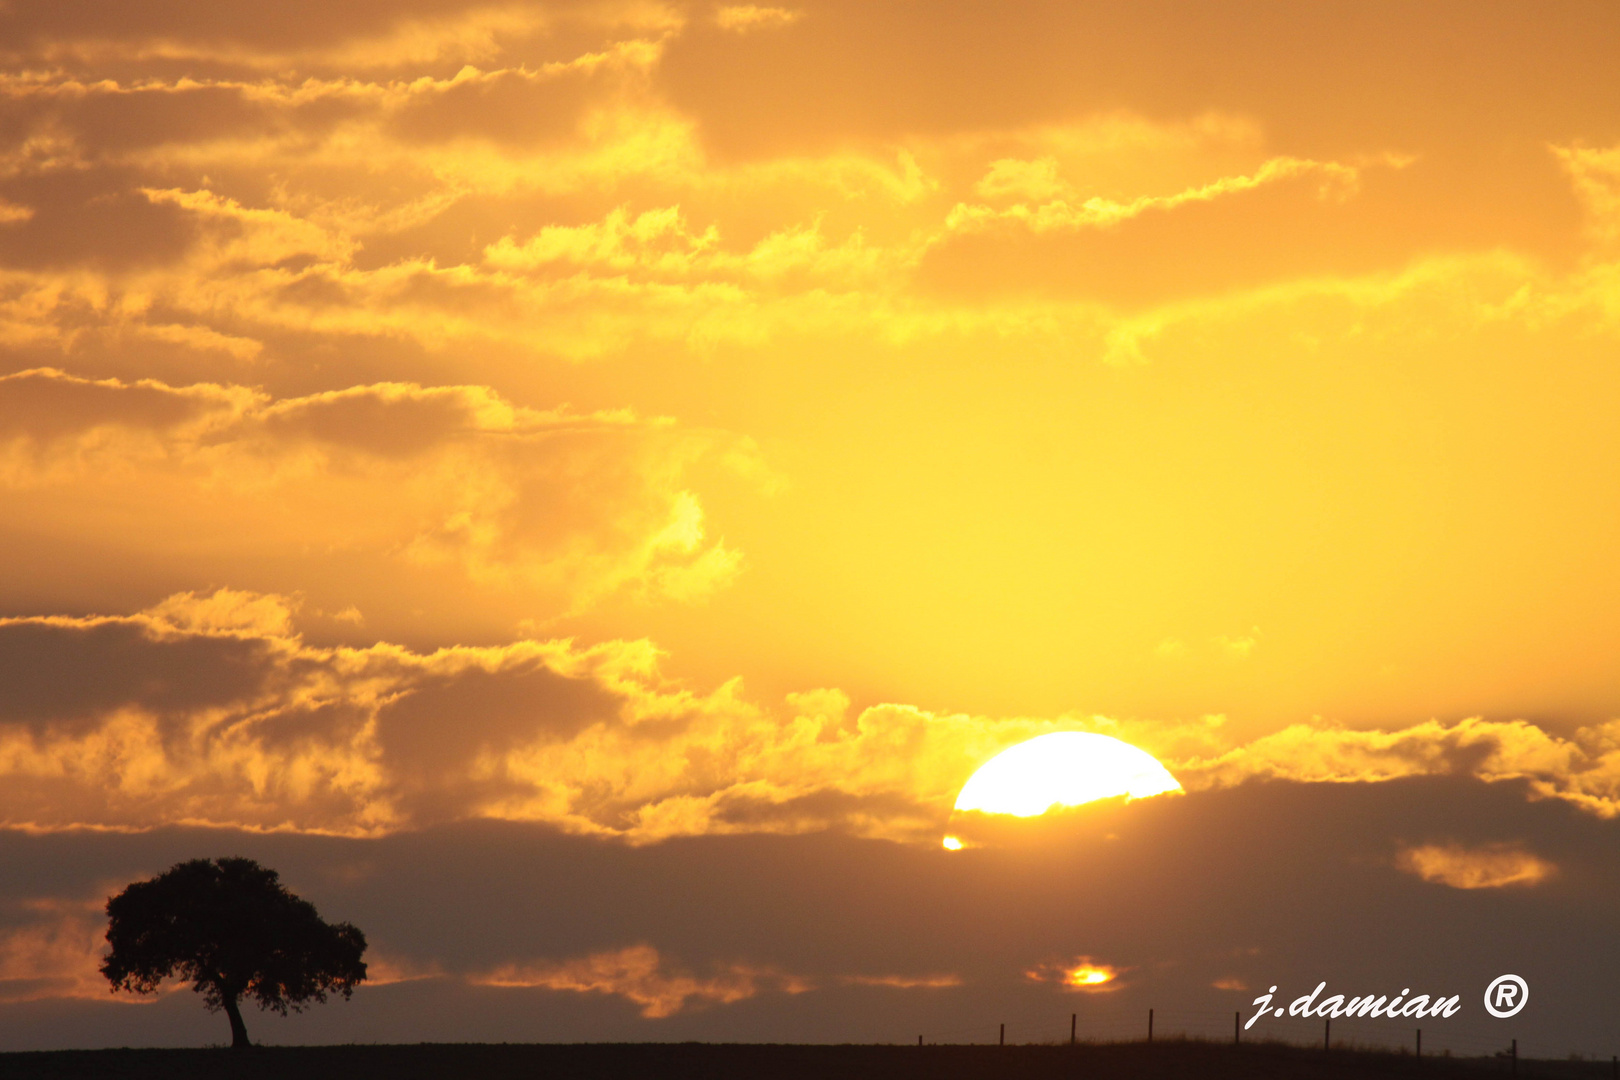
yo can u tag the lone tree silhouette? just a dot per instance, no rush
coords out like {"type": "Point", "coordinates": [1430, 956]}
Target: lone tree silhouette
{"type": "Point", "coordinates": [233, 930]}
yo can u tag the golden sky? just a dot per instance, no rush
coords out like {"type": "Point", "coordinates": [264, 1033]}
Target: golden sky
{"type": "Point", "coordinates": [654, 420]}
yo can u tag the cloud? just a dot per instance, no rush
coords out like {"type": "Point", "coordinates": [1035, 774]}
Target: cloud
{"type": "Point", "coordinates": [562, 506]}
{"type": "Point", "coordinates": [364, 36]}
{"type": "Point", "coordinates": [386, 970]}
{"type": "Point", "coordinates": [637, 974]}
{"type": "Point", "coordinates": [744, 18]}
{"type": "Point", "coordinates": [1595, 174]}
{"type": "Point", "coordinates": [1038, 179]}
{"type": "Point", "coordinates": [449, 174]}
{"type": "Point", "coordinates": [211, 708]}
{"type": "Point", "coordinates": [54, 952]}
{"type": "Point", "coordinates": [1491, 867]}
{"type": "Point", "coordinates": [197, 252]}
{"type": "Point", "coordinates": [1583, 769]}
{"type": "Point", "coordinates": [824, 908]}
{"type": "Point", "coordinates": [904, 982]}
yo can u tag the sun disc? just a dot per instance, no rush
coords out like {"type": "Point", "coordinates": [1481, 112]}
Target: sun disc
{"type": "Point", "coordinates": [1064, 768]}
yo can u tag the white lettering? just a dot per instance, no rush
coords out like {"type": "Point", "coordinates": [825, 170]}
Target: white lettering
{"type": "Point", "coordinates": [1301, 1005]}
{"type": "Point", "coordinates": [1365, 1006]}
{"type": "Point", "coordinates": [1380, 1006]}
{"type": "Point", "coordinates": [1330, 1006]}
{"type": "Point", "coordinates": [1264, 1001]}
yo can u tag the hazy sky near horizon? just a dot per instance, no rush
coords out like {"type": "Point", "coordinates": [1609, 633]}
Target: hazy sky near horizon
{"type": "Point", "coordinates": [634, 428]}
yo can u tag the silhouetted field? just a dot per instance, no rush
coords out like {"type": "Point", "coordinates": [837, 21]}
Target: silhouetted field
{"type": "Point", "coordinates": [706, 1061]}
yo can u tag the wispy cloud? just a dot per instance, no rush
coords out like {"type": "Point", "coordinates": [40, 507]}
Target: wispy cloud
{"type": "Point", "coordinates": [1493, 866]}
{"type": "Point", "coordinates": [639, 975]}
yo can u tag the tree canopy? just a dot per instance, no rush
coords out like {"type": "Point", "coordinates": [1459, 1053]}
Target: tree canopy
{"type": "Point", "coordinates": [231, 928]}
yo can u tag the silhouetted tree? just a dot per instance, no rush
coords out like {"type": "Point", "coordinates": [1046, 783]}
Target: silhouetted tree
{"type": "Point", "coordinates": [233, 930]}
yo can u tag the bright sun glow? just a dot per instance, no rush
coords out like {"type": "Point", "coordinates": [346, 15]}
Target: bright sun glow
{"type": "Point", "coordinates": [1080, 973]}
{"type": "Point", "coordinates": [952, 844]}
{"type": "Point", "coordinates": [1087, 975]}
{"type": "Point", "coordinates": [1065, 768]}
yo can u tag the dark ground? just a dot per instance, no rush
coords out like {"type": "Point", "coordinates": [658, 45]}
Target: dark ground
{"type": "Point", "coordinates": [705, 1061]}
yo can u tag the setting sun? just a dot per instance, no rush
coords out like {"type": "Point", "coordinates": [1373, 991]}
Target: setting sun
{"type": "Point", "coordinates": [1065, 768]}
{"type": "Point", "coordinates": [1079, 973]}
{"type": "Point", "coordinates": [1088, 975]}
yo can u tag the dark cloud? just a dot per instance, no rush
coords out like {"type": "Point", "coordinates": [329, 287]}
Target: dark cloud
{"type": "Point", "coordinates": [45, 405]}
{"type": "Point", "coordinates": [393, 422]}
{"type": "Point", "coordinates": [107, 123]}
{"type": "Point", "coordinates": [1267, 883]}
{"type": "Point", "coordinates": [432, 734]}
{"type": "Point", "coordinates": [71, 677]}
{"type": "Point", "coordinates": [1328, 76]}
{"type": "Point", "coordinates": [300, 24]}
{"type": "Point", "coordinates": [95, 218]}
{"type": "Point", "coordinates": [508, 107]}
{"type": "Point", "coordinates": [180, 38]}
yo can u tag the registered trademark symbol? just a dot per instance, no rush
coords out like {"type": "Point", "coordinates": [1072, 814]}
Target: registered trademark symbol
{"type": "Point", "coordinates": [1506, 996]}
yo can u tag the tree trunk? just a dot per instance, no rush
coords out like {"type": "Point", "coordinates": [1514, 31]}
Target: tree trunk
{"type": "Point", "coordinates": [239, 1039]}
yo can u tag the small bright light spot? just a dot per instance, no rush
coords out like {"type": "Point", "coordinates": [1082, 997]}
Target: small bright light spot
{"type": "Point", "coordinates": [952, 844]}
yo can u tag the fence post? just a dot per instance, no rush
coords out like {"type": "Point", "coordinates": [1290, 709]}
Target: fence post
{"type": "Point", "coordinates": [1327, 1035]}
{"type": "Point", "coordinates": [919, 1040]}
{"type": "Point", "coordinates": [1236, 1031]}
{"type": "Point", "coordinates": [1420, 1042]}
{"type": "Point", "coordinates": [1074, 1018]}
{"type": "Point", "coordinates": [1515, 1052]}
{"type": "Point", "coordinates": [1150, 1027]}
{"type": "Point", "coordinates": [1003, 1040]}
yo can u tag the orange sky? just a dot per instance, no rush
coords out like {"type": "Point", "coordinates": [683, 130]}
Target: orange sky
{"type": "Point", "coordinates": [653, 420]}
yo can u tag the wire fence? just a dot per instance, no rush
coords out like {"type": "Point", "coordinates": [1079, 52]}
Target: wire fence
{"type": "Point", "coordinates": [1460, 1037]}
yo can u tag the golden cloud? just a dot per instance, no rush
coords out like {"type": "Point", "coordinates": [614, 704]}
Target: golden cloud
{"type": "Point", "coordinates": [55, 953]}
{"type": "Point", "coordinates": [638, 975]}
{"type": "Point", "coordinates": [677, 256]}
{"type": "Point", "coordinates": [742, 18]}
{"type": "Point", "coordinates": [1583, 769]}
{"type": "Point", "coordinates": [1038, 180]}
{"type": "Point", "coordinates": [212, 709]}
{"type": "Point", "coordinates": [394, 37]}
{"type": "Point", "coordinates": [904, 982]}
{"type": "Point", "coordinates": [566, 507]}
{"type": "Point", "coordinates": [1491, 867]}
